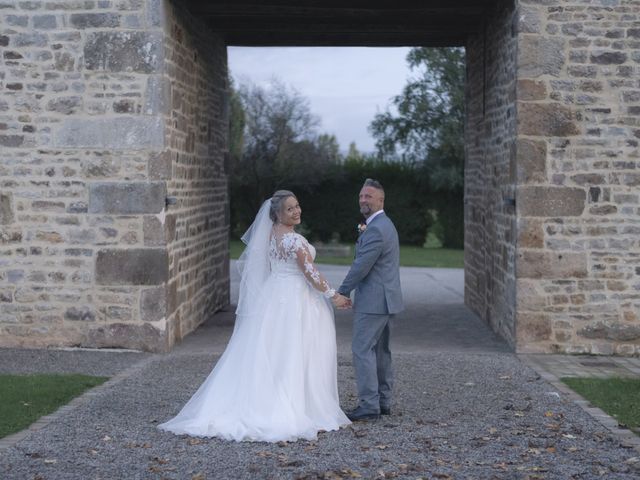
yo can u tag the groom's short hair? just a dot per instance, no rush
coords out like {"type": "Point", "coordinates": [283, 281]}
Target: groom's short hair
{"type": "Point", "coordinates": [370, 182]}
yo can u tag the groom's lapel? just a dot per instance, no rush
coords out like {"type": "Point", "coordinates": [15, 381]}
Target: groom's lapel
{"type": "Point", "coordinates": [359, 240]}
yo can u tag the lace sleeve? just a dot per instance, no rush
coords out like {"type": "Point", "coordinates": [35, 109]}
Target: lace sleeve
{"type": "Point", "coordinates": [305, 262]}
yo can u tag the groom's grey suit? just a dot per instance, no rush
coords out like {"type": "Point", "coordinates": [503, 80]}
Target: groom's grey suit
{"type": "Point", "coordinates": [375, 277]}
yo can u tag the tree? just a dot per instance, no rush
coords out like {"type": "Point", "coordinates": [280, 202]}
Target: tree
{"type": "Point", "coordinates": [427, 130]}
{"type": "Point", "coordinates": [280, 147]}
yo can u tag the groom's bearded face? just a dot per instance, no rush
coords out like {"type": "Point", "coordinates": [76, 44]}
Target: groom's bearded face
{"type": "Point", "coordinates": [371, 200]}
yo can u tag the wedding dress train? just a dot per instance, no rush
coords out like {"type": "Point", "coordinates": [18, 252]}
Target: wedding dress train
{"type": "Point", "coordinates": [277, 379]}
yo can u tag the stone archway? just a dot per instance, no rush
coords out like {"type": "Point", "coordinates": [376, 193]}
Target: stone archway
{"type": "Point", "coordinates": [113, 187]}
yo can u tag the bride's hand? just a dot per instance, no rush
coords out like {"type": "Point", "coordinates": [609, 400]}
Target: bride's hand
{"type": "Point", "coordinates": [340, 301]}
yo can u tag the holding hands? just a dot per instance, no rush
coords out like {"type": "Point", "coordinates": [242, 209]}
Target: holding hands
{"type": "Point", "coordinates": [341, 302]}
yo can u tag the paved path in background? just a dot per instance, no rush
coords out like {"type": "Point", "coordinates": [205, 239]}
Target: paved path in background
{"type": "Point", "coordinates": [466, 407]}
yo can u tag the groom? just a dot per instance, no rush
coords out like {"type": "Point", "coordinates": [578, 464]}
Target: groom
{"type": "Point", "coordinates": [375, 276]}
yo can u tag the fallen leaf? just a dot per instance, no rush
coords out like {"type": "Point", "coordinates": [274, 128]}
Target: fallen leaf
{"type": "Point", "coordinates": [194, 441]}
{"type": "Point", "coordinates": [351, 473]}
{"type": "Point", "coordinates": [548, 414]}
{"type": "Point", "coordinates": [198, 476]}
{"type": "Point", "coordinates": [551, 449]}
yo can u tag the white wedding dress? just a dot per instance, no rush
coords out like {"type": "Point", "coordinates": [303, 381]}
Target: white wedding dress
{"type": "Point", "coordinates": [277, 379]}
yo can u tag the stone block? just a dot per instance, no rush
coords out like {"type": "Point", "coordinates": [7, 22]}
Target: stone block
{"type": "Point", "coordinates": [6, 209]}
{"type": "Point", "coordinates": [30, 40]}
{"type": "Point", "coordinates": [539, 55]}
{"type": "Point", "coordinates": [82, 314]}
{"type": "Point", "coordinates": [608, 58]}
{"type": "Point", "coordinates": [159, 166]}
{"type": "Point", "coordinates": [550, 201]}
{"type": "Point", "coordinates": [126, 335]}
{"type": "Point", "coordinates": [122, 133]}
{"type": "Point", "coordinates": [11, 140]}
{"type": "Point", "coordinates": [619, 332]}
{"type": "Point", "coordinates": [95, 20]}
{"type": "Point", "coordinates": [530, 233]}
{"type": "Point", "coordinates": [546, 120]}
{"type": "Point", "coordinates": [529, 90]}
{"type": "Point", "coordinates": [532, 327]}
{"type": "Point", "coordinates": [133, 51]}
{"type": "Point", "coordinates": [105, 166]}
{"type": "Point", "coordinates": [529, 20]}
{"type": "Point", "coordinates": [528, 297]}
{"type": "Point", "coordinates": [127, 198]}
{"type": "Point", "coordinates": [157, 97]}
{"type": "Point", "coordinates": [136, 266]}
{"type": "Point", "coordinates": [44, 22]}
{"type": "Point", "coordinates": [588, 179]}
{"type": "Point", "coordinates": [551, 265]}
{"type": "Point", "coordinates": [531, 161]}
{"type": "Point", "coordinates": [153, 304]}
{"type": "Point", "coordinates": [65, 105]}
{"type": "Point", "coordinates": [154, 234]}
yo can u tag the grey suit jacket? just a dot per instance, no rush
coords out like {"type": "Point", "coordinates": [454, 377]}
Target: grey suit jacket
{"type": "Point", "coordinates": [375, 272]}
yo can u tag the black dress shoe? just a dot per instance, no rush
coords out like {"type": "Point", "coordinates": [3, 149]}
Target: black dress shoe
{"type": "Point", "coordinates": [385, 410]}
{"type": "Point", "coordinates": [360, 414]}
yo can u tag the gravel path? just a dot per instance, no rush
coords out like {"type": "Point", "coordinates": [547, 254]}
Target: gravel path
{"type": "Point", "coordinates": [465, 415]}
{"type": "Point", "coordinates": [87, 362]}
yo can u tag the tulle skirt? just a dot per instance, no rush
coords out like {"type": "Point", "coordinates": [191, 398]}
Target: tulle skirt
{"type": "Point", "coordinates": [277, 379]}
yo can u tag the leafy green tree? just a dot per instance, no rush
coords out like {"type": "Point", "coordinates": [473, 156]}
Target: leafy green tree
{"type": "Point", "coordinates": [427, 131]}
{"type": "Point", "coordinates": [279, 147]}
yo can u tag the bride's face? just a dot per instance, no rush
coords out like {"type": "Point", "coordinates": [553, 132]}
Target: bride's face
{"type": "Point", "coordinates": [291, 211]}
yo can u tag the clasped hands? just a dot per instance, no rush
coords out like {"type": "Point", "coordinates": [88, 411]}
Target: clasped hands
{"type": "Point", "coordinates": [341, 302]}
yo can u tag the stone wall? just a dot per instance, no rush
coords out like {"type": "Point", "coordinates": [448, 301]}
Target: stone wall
{"type": "Point", "coordinates": [490, 135]}
{"type": "Point", "coordinates": [94, 108]}
{"type": "Point", "coordinates": [197, 231]}
{"type": "Point", "coordinates": [578, 263]}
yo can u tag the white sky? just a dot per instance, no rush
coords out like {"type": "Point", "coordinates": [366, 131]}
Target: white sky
{"type": "Point", "coordinates": [346, 86]}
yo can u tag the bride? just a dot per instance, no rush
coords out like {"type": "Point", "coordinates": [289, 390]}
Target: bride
{"type": "Point", "coordinates": [277, 379]}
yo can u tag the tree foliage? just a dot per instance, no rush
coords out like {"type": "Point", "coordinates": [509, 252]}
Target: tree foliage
{"type": "Point", "coordinates": [426, 130]}
{"type": "Point", "coordinates": [279, 146]}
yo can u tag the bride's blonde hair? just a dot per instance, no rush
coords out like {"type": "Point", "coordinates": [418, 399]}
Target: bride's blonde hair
{"type": "Point", "coordinates": [276, 203]}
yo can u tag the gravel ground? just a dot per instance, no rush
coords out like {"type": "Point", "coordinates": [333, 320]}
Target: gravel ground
{"type": "Point", "coordinates": [475, 416]}
{"type": "Point", "coordinates": [88, 362]}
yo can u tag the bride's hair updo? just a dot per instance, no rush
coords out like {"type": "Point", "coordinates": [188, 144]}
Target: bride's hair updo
{"type": "Point", "coordinates": [276, 203]}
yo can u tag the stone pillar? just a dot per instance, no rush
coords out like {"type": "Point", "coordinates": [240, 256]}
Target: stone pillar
{"type": "Point", "coordinates": [490, 136]}
{"type": "Point", "coordinates": [578, 253]}
{"type": "Point", "coordinates": [90, 97]}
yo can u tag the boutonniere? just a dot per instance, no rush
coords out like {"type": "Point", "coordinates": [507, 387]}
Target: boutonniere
{"type": "Point", "coordinates": [361, 227]}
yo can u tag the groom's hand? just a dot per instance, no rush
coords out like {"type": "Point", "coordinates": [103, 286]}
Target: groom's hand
{"type": "Point", "coordinates": [340, 301]}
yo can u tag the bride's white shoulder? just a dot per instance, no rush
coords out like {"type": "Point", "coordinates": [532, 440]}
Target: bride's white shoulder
{"type": "Point", "coordinates": [293, 240]}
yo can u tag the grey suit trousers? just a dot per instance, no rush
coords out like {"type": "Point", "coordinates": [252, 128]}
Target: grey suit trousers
{"type": "Point", "coordinates": [372, 359]}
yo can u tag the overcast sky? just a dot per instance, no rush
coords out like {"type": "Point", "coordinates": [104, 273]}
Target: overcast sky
{"type": "Point", "coordinates": [345, 86]}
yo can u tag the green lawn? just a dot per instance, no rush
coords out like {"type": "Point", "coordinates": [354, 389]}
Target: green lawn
{"type": "Point", "coordinates": [25, 398]}
{"type": "Point", "coordinates": [619, 397]}
{"type": "Point", "coordinates": [409, 256]}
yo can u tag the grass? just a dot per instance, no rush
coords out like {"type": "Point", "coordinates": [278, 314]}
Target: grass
{"type": "Point", "coordinates": [26, 398]}
{"type": "Point", "coordinates": [619, 397]}
{"type": "Point", "coordinates": [430, 256]}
